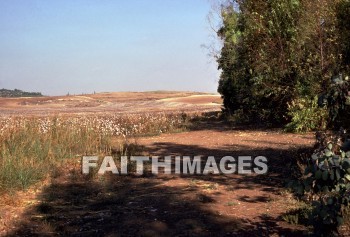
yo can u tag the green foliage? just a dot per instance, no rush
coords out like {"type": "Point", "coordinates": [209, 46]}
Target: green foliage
{"type": "Point", "coordinates": [337, 100]}
{"type": "Point", "coordinates": [327, 180]}
{"type": "Point", "coordinates": [343, 13]}
{"type": "Point", "coordinates": [327, 176]}
{"type": "Point", "coordinates": [298, 216]}
{"type": "Point", "coordinates": [306, 115]}
{"type": "Point", "coordinates": [278, 54]}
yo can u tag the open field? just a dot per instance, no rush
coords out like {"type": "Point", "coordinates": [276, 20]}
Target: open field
{"type": "Point", "coordinates": [71, 204]}
{"type": "Point", "coordinates": [119, 102]}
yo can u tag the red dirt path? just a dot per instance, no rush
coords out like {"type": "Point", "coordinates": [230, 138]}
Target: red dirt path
{"type": "Point", "coordinates": [172, 205]}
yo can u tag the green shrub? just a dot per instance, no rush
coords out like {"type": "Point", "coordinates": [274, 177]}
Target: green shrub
{"type": "Point", "coordinates": [337, 101]}
{"type": "Point", "coordinates": [306, 116]}
{"type": "Point", "coordinates": [327, 181]}
{"type": "Point", "coordinates": [298, 216]}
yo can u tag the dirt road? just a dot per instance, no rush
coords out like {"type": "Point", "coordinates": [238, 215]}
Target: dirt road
{"type": "Point", "coordinates": [173, 205]}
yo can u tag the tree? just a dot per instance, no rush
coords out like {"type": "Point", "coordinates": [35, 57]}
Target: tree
{"type": "Point", "coordinates": [278, 53]}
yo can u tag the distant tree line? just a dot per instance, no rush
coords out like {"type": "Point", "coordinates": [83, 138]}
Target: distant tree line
{"type": "Point", "coordinates": [18, 93]}
{"type": "Point", "coordinates": [279, 57]}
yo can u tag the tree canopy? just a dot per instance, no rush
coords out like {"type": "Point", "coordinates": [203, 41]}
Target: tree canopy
{"type": "Point", "coordinates": [278, 56]}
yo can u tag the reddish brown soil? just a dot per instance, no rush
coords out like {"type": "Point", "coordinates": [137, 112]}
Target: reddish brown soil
{"type": "Point", "coordinates": [171, 205]}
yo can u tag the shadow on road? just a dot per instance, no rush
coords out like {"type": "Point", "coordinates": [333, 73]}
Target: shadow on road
{"type": "Point", "coordinates": [132, 206]}
{"type": "Point", "coordinates": [111, 205]}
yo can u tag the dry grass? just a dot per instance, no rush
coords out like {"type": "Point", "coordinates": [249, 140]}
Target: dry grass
{"type": "Point", "coordinates": [31, 148]}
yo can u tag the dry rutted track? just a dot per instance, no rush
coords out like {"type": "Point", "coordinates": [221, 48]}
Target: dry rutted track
{"type": "Point", "coordinates": [173, 205]}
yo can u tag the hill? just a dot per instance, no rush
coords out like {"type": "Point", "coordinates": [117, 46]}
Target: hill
{"type": "Point", "coordinates": [113, 102]}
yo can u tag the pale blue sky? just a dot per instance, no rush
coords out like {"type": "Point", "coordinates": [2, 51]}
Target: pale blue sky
{"type": "Point", "coordinates": [76, 46]}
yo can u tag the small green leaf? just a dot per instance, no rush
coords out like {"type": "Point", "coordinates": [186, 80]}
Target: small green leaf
{"type": "Point", "coordinates": [337, 188]}
{"type": "Point", "coordinates": [337, 174]}
{"type": "Point", "coordinates": [342, 154]}
{"type": "Point", "coordinates": [347, 176]}
{"type": "Point", "coordinates": [346, 163]}
{"type": "Point", "coordinates": [347, 154]}
{"type": "Point", "coordinates": [328, 153]}
{"type": "Point", "coordinates": [330, 146]}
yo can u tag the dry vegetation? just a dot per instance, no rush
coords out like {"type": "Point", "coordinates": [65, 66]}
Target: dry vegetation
{"type": "Point", "coordinates": [48, 149]}
{"type": "Point", "coordinates": [38, 136]}
{"type": "Point", "coordinates": [30, 147]}
{"type": "Point", "coordinates": [32, 144]}
{"type": "Point", "coordinates": [121, 103]}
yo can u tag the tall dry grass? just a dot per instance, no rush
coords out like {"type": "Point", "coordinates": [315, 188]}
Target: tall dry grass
{"type": "Point", "coordinates": [30, 148]}
{"type": "Point", "coordinates": [29, 153]}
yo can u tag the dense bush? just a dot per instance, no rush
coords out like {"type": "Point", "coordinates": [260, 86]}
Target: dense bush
{"type": "Point", "coordinates": [326, 178]}
{"type": "Point", "coordinates": [337, 101]}
{"type": "Point", "coordinates": [327, 182]}
{"type": "Point", "coordinates": [278, 54]}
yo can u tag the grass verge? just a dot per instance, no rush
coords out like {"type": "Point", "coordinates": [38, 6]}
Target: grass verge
{"type": "Point", "coordinates": [31, 148]}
